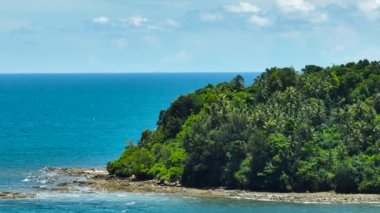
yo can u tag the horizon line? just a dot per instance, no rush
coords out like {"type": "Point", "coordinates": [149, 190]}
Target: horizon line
{"type": "Point", "coordinates": [117, 73]}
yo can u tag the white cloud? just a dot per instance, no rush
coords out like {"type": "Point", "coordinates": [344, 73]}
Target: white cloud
{"type": "Point", "coordinates": [370, 8]}
{"type": "Point", "coordinates": [289, 6]}
{"type": "Point", "coordinates": [305, 10]}
{"type": "Point", "coordinates": [326, 3]}
{"type": "Point", "coordinates": [210, 17]}
{"type": "Point", "coordinates": [172, 23]}
{"type": "Point", "coordinates": [243, 7]}
{"type": "Point", "coordinates": [136, 21]}
{"type": "Point", "coordinates": [101, 20]}
{"type": "Point", "coordinates": [143, 23]}
{"type": "Point", "coordinates": [253, 11]}
{"type": "Point", "coordinates": [259, 21]}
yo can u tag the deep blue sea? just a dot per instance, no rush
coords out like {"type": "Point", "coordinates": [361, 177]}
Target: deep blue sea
{"type": "Point", "coordinates": [84, 120]}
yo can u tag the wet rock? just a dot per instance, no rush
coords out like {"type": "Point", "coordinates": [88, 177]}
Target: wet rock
{"type": "Point", "coordinates": [132, 178]}
{"type": "Point", "coordinates": [168, 183]}
{"type": "Point", "coordinates": [15, 195]}
{"type": "Point", "coordinates": [159, 182]}
{"type": "Point", "coordinates": [65, 184]}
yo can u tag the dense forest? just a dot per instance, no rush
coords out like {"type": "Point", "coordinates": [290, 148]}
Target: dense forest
{"type": "Point", "coordinates": [314, 130]}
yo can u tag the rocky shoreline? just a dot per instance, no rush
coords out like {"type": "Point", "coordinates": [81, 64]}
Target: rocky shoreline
{"type": "Point", "coordinates": [15, 195]}
{"type": "Point", "coordinates": [98, 180]}
{"type": "Point", "coordinates": [117, 185]}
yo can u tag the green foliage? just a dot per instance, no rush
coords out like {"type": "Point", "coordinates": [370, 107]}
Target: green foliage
{"type": "Point", "coordinates": [133, 162]}
{"type": "Point", "coordinates": [290, 131]}
{"type": "Point", "coordinates": [358, 174]}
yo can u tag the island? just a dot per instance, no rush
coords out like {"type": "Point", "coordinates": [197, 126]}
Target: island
{"type": "Point", "coordinates": [316, 130]}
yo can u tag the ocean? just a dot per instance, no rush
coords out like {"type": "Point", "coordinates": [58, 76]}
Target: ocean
{"type": "Point", "coordinates": [84, 120]}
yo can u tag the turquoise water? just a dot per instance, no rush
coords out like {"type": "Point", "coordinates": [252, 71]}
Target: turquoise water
{"type": "Point", "coordinates": [167, 204]}
{"type": "Point", "coordinates": [81, 120]}
{"type": "Point", "coordinates": [84, 121]}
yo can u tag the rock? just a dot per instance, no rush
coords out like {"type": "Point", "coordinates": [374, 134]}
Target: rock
{"type": "Point", "coordinates": [15, 195]}
{"type": "Point", "coordinates": [159, 182]}
{"type": "Point", "coordinates": [167, 183]}
{"type": "Point", "coordinates": [132, 178]}
{"type": "Point", "coordinates": [63, 184]}
{"type": "Point", "coordinates": [234, 194]}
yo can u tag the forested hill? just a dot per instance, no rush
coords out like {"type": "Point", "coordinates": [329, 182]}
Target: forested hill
{"type": "Point", "coordinates": [314, 130]}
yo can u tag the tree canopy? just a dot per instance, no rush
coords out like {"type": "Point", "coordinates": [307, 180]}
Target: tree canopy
{"type": "Point", "coordinates": [314, 130]}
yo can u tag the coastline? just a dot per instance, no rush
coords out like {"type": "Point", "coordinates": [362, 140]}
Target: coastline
{"type": "Point", "coordinates": [98, 180]}
{"type": "Point", "coordinates": [117, 185]}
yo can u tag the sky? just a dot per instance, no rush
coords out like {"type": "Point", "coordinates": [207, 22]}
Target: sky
{"type": "Point", "coordinates": [112, 36]}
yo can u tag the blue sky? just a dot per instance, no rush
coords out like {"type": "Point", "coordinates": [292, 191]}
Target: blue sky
{"type": "Point", "coordinates": [72, 36]}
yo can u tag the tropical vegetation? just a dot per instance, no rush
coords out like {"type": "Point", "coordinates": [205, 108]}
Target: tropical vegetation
{"type": "Point", "coordinates": [314, 130]}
